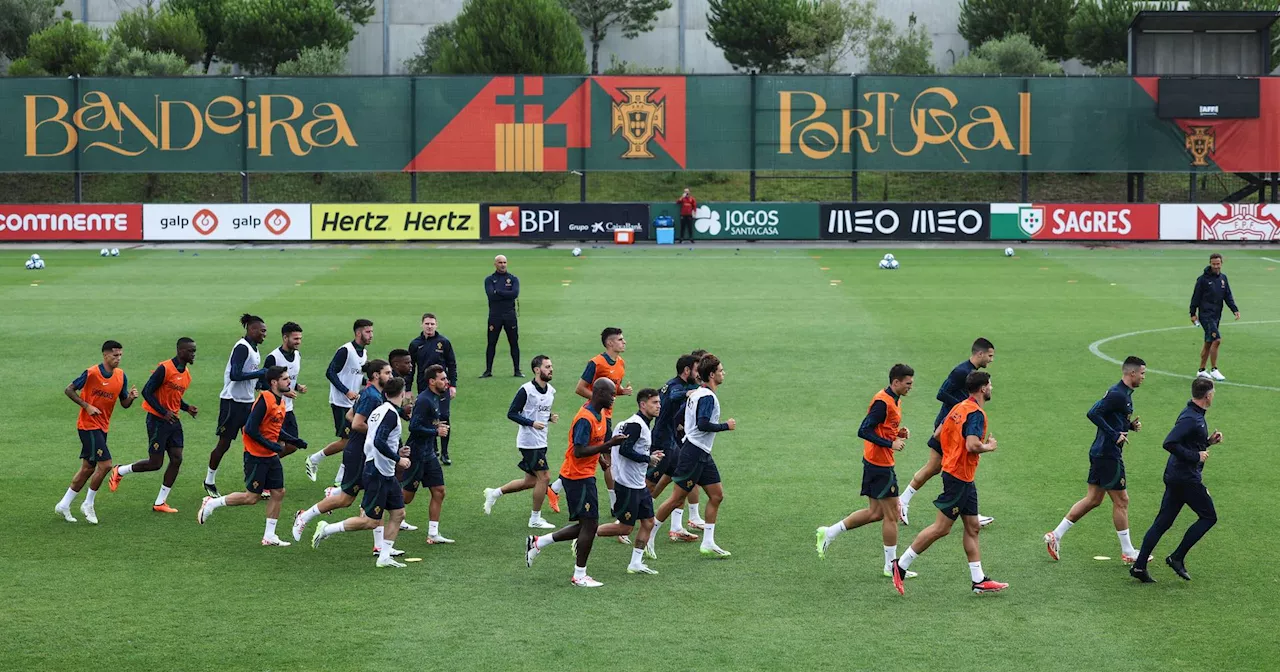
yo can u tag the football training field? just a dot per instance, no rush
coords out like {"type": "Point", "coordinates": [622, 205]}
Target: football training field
{"type": "Point", "coordinates": [806, 338]}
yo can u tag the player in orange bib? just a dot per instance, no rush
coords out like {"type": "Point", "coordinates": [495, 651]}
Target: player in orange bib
{"type": "Point", "coordinates": [264, 442]}
{"type": "Point", "coordinates": [964, 438]}
{"type": "Point", "coordinates": [95, 392]}
{"type": "Point", "coordinates": [162, 399]}
{"type": "Point", "coordinates": [608, 364]}
{"type": "Point", "coordinates": [882, 436]}
{"type": "Point", "coordinates": [578, 472]}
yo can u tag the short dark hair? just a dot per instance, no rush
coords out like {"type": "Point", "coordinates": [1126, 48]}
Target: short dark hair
{"type": "Point", "coordinates": [1215, 255]}
{"type": "Point", "coordinates": [1132, 363]}
{"type": "Point", "coordinates": [707, 366]}
{"type": "Point", "coordinates": [430, 315]}
{"type": "Point", "coordinates": [685, 362]}
{"type": "Point", "coordinates": [373, 366]}
{"type": "Point", "coordinates": [646, 393]}
{"type": "Point", "coordinates": [393, 387]}
{"type": "Point", "coordinates": [976, 380]}
{"type": "Point", "coordinates": [185, 341]}
{"type": "Point", "coordinates": [1201, 387]}
{"type": "Point", "coordinates": [248, 319]}
{"type": "Point", "coordinates": [981, 345]}
{"type": "Point", "coordinates": [609, 331]}
{"type": "Point", "coordinates": [398, 352]}
{"type": "Point", "coordinates": [900, 371]}
{"type": "Point", "coordinates": [290, 328]}
{"type": "Point", "coordinates": [537, 361]}
{"type": "Point", "coordinates": [698, 354]}
{"type": "Point", "coordinates": [361, 324]}
{"type": "Point", "coordinates": [432, 372]}
{"type": "Point", "coordinates": [112, 345]}
{"type": "Point", "coordinates": [274, 373]}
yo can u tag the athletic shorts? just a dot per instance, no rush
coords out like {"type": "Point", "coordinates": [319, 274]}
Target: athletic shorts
{"type": "Point", "coordinates": [381, 493]}
{"type": "Point", "coordinates": [341, 428]}
{"type": "Point", "coordinates": [532, 460]}
{"type": "Point", "coordinates": [262, 473]}
{"type": "Point", "coordinates": [582, 498]}
{"type": "Point", "coordinates": [161, 435]}
{"type": "Point", "coordinates": [695, 468]}
{"type": "Point", "coordinates": [666, 466]}
{"type": "Point", "coordinates": [634, 504]}
{"type": "Point", "coordinates": [878, 482]}
{"type": "Point", "coordinates": [290, 425]}
{"type": "Point", "coordinates": [93, 446]}
{"type": "Point", "coordinates": [424, 470]}
{"type": "Point", "coordinates": [353, 464]}
{"type": "Point", "coordinates": [958, 498]}
{"type": "Point", "coordinates": [1106, 472]}
{"type": "Point", "coordinates": [231, 418]}
{"type": "Point", "coordinates": [1211, 332]}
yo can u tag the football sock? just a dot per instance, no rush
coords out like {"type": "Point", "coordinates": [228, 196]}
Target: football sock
{"type": "Point", "coordinates": [835, 530]}
{"type": "Point", "coordinates": [975, 572]}
{"type": "Point", "coordinates": [125, 470]}
{"type": "Point", "coordinates": [890, 552]}
{"type": "Point", "coordinates": [212, 476]}
{"type": "Point", "coordinates": [637, 556]}
{"type": "Point", "coordinates": [907, 495]}
{"type": "Point", "coordinates": [271, 528]}
{"type": "Point", "coordinates": [433, 528]}
{"type": "Point", "coordinates": [709, 535]}
{"type": "Point", "coordinates": [378, 537]}
{"type": "Point", "coordinates": [384, 554]}
{"type": "Point", "coordinates": [163, 496]}
{"type": "Point", "coordinates": [315, 457]}
{"type": "Point", "coordinates": [693, 513]}
{"type": "Point", "coordinates": [535, 516]}
{"type": "Point", "coordinates": [613, 500]}
{"type": "Point", "coordinates": [557, 486]}
{"type": "Point", "coordinates": [67, 498]}
{"type": "Point", "coordinates": [1125, 544]}
{"type": "Point", "coordinates": [907, 558]}
{"type": "Point", "coordinates": [543, 541]}
{"type": "Point", "coordinates": [579, 572]}
{"type": "Point", "coordinates": [1066, 525]}
{"type": "Point", "coordinates": [310, 513]}
{"type": "Point", "coordinates": [677, 520]}
{"type": "Point", "coordinates": [329, 529]}
{"type": "Point", "coordinates": [92, 494]}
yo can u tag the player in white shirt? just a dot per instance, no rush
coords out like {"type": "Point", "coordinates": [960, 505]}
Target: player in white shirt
{"type": "Point", "coordinates": [239, 389]}
{"type": "Point", "coordinates": [531, 410]}
{"type": "Point", "coordinates": [346, 378]}
{"type": "Point", "coordinates": [287, 356]}
{"type": "Point", "coordinates": [630, 462]}
{"type": "Point", "coordinates": [696, 468]}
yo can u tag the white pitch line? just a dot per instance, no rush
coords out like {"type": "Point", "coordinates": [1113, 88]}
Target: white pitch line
{"type": "Point", "coordinates": [1096, 348]}
{"type": "Point", "coordinates": [1269, 259]}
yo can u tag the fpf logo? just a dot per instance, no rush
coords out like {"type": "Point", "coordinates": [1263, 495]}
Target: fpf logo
{"type": "Point", "coordinates": [504, 221]}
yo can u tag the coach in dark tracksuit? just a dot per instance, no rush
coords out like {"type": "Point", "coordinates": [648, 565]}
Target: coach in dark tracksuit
{"type": "Point", "coordinates": [1188, 445]}
{"type": "Point", "coordinates": [431, 347]}
{"type": "Point", "coordinates": [1211, 291]}
{"type": "Point", "coordinates": [503, 289]}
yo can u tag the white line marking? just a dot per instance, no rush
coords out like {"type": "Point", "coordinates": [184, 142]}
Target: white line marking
{"type": "Point", "coordinates": [1269, 259]}
{"type": "Point", "coordinates": [1096, 348]}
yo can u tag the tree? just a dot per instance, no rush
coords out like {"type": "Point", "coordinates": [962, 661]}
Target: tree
{"type": "Point", "coordinates": [1015, 54]}
{"type": "Point", "coordinates": [66, 48]}
{"type": "Point", "coordinates": [826, 32]}
{"type": "Point", "coordinates": [358, 12]}
{"type": "Point", "coordinates": [909, 53]}
{"type": "Point", "coordinates": [597, 17]}
{"type": "Point", "coordinates": [429, 50]}
{"type": "Point", "coordinates": [19, 20]}
{"type": "Point", "coordinates": [262, 34]}
{"type": "Point", "coordinates": [1044, 21]}
{"type": "Point", "coordinates": [315, 61]}
{"type": "Point", "coordinates": [121, 60]}
{"type": "Point", "coordinates": [531, 37]}
{"type": "Point", "coordinates": [209, 15]}
{"type": "Point", "coordinates": [150, 30]}
{"type": "Point", "coordinates": [1099, 31]}
{"type": "Point", "coordinates": [753, 34]}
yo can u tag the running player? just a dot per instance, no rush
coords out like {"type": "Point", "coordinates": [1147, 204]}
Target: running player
{"type": "Point", "coordinates": [425, 425]}
{"type": "Point", "coordinates": [383, 493]}
{"type": "Point", "coordinates": [402, 367]}
{"type": "Point", "coordinates": [950, 393]}
{"type": "Point", "coordinates": [431, 347]}
{"type": "Point", "coordinates": [630, 459]}
{"type": "Point", "coordinates": [696, 468]}
{"type": "Point", "coordinates": [882, 435]}
{"type": "Point", "coordinates": [264, 443]}
{"type": "Point", "coordinates": [608, 364]}
{"type": "Point", "coordinates": [963, 435]}
{"type": "Point", "coordinates": [578, 472]}
{"type": "Point", "coordinates": [345, 376]}
{"type": "Point", "coordinates": [287, 356]}
{"type": "Point", "coordinates": [239, 381]}
{"type": "Point", "coordinates": [95, 391]}
{"type": "Point", "coordinates": [1106, 460]}
{"type": "Point", "coordinates": [162, 399]}
{"type": "Point", "coordinates": [665, 438]}
{"type": "Point", "coordinates": [531, 410]}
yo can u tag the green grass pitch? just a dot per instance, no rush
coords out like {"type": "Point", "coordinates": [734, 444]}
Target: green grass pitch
{"type": "Point", "coordinates": [803, 355]}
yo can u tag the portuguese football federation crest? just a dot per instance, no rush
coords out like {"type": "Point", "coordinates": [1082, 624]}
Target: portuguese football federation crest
{"type": "Point", "coordinates": [1200, 142]}
{"type": "Point", "coordinates": [639, 119]}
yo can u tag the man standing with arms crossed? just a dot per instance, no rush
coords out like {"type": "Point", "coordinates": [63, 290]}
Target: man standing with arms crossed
{"type": "Point", "coordinates": [1211, 291]}
{"type": "Point", "coordinates": [503, 290]}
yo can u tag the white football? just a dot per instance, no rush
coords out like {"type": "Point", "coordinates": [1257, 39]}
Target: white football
{"type": "Point", "coordinates": [31, 264]}
{"type": "Point", "coordinates": [104, 252]}
{"type": "Point", "coordinates": [884, 264]}
{"type": "Point", "coordinates": [889, 257]}
{"type": "Point", "coordinates": [35, 257]}
{"type": "Point", "coordinates": [577, 251]}
{"type": "Point", "coordinates": [1008, 251]}
{"type": "Point", "coordinates": [39, 264]}
{"type": "Point", "coordinates": [115, 251]}
{"type": "Point", "coordinates": [893, 264]}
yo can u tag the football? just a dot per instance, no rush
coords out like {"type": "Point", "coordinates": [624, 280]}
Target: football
{"type": "Point", "coordinates": [1008, 251]}
{"type": "Point", "coordinates": [884, 264]}
{"type": "Point", "coordinates": [31, 264]}
{"type": "Point", "coordinates": [38, 264]}
{"type": "Point", "coordinates": [889, 257]}
{"type": "Point", "coordinates": [577, 251]}
{"type": "Point", "coordinates": [35, 257]}
{"type": "Point", "coordinates": [893, 264]}
{"type": "Point", "coordinates": [115, 251]}
{"type": "Point", "coordinates": [104, 252]}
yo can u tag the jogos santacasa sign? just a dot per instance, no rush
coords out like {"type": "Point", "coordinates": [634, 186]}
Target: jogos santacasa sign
{"type": "Point", "coordinates": [555, 124]}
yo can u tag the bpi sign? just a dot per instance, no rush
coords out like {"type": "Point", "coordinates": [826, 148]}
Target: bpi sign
{"type": "Point", "coordinates": [227, 222]}
{"type": "Point", "coordinates": [580, 221]}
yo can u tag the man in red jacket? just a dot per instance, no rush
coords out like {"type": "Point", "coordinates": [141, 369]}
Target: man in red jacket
{"type": "Point", "coordinates": [688, 204]}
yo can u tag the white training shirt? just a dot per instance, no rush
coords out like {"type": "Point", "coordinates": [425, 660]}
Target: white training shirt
{"type": "Point", "coordinates": [627, 472]}
{"type": "Point", "coordinates": [242, 391]}
{"type": "Point", "coordinates": [386, 418]}
{"type": "Point", "coordinates": [537, 407]}
{"type": "Point", "coordinates": [294, 368]}
{"type": "Point", "coordinates": [692, 434]}
{"type": "Point", "coordinates": [351, 375]}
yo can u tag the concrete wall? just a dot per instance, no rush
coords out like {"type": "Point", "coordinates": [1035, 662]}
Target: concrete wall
{"type": "Point", "coordinates": [409, 21]}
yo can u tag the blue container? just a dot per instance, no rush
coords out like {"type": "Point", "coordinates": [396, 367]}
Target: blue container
{"type": "Point", "coordinates": [666, 235]}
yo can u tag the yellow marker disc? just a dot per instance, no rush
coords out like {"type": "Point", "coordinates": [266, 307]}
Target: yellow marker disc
{"type": "Point", "coordinates": [1101, 557]}
{"type": "Point", "coordinates": [413, 559]}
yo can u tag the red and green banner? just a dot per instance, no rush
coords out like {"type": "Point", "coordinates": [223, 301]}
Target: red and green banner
{"type": "Point", "coordinates": [607, 123]}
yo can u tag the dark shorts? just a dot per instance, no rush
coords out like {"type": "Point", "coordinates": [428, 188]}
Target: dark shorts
{"type": "Point", "coordinates": [161, 435]}
{"type": "Point", "coordinates": [958, 498]}
{"type": "Point", "coordinates": [93, 446]}
{"type": "Point", "coordinates": [231, 418]}
{"type": "Point", "coordinates": [1211, 332]}
{"type": "Point", "coordinates": [695, 468]}
{"type": "Point", "coordinates": [933, 441]}
{"type": "Point", "coordinates": [582, 498]}
{"type": "Point", "coordinates": [533, 460]}
{"type": "Point", "coordinates": [353, 464]}
{"type": "Point", "coordinates": [381, 493]}
{"type": "Point", "coordinates": [879, 482]}
{"type": "Point", "coordinates": [634, 504]}
{"type": "Point", "coordinates": [262, 473]}
{"type": "Point", "coordinates": [666, 466]}
{"type": "Point", "coordinates": [935, 445]}
{"type": "Point", "coordinates": [1106, 472]}
{"type": "Point", "coordinates": [424, 470]}
{"type": "Point", "coordinates": [290, 425]}
{"type": "Point", "coordinates": [341, 428]}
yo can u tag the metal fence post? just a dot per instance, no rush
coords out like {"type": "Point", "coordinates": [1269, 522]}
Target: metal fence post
{"type": "Point", "coordinates": [413, 138]}
{"type": "Point", "coordinates": [244, 141]}
{"type": "Point", "coordinates": [853, 151]}
{"type": "Point", "coordinates": [751, 189]}
{"type": "Point", "coordinates": [1024, 195]}
{"type": "Point", "coordinates": [1192, 187]}
{"type": "Point", "coordinates": [78, 180]}
{"type": "Point", "coordinates": [585, 113]}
